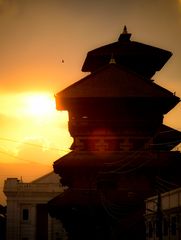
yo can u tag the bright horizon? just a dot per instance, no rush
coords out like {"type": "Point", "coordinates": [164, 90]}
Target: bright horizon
{"type": "Point", "coordinates": [35, 36]}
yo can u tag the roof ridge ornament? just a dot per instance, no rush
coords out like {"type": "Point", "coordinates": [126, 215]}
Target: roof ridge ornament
{"type": "Point", "coordinates": [124, 36]}
{"type": "Point", "coordinates": [125, 31]}
{"type": "Point", "coordinates": [112, 59]}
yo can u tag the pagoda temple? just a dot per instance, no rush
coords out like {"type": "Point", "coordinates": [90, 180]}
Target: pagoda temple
{"type": "Point", "coordinates": [120, 144]}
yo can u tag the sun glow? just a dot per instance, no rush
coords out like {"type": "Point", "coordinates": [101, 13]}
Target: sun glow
{"type": "Point", "coordinates": [39, 104]}
{"type": "Point", "coordinates": [31, 128]}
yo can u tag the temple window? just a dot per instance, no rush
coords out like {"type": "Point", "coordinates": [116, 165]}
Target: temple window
{"type": "Point", "coordinates": [25, 214]}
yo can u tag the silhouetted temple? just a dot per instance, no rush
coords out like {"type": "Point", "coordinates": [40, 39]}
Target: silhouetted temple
{"type": "Point", "coordinates": [121, 145]}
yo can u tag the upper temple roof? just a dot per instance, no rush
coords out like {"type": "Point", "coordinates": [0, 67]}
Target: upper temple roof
{"type": "Point", "coordinates": [115, 82]}
{"type": "Point", "coordinates": [141, 58]}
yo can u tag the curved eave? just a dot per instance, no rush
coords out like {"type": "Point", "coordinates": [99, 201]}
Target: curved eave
{"type": "Point", "coordinates": [74, 161]}
{"type": "Point", "coordinates": [83, 198]}
{"type": "Point", "coordinates": [162, 104]}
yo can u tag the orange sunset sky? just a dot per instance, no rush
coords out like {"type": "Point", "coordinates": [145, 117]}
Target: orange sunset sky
{"type": "Point", "coordinates": [35, 36]}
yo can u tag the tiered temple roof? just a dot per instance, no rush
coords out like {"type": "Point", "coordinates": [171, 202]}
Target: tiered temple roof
{"type": "Point", "coordinates": [120, 142]}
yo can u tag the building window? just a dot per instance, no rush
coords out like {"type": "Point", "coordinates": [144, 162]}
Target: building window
{"type": "Point", "coordinates": [25, 214]}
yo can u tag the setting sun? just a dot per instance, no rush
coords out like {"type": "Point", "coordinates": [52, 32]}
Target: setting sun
{"type": "Point", "coordinates": [37, 122]}
{"type": "Point", "coordinates": [39, 104]}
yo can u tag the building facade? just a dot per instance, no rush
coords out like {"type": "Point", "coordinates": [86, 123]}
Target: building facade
{"type": "Point", "coordinates": [163, 216]}
{"type": "Point", "coordinates": [27, 215]}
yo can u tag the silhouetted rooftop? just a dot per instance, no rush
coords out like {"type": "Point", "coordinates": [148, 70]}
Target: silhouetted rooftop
{"type": "Point", "coordinates": [142, 58]}
{"type": "Point", "coordinates": [116, 82]}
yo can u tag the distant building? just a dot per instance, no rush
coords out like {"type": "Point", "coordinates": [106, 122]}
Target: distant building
{"type": "Point", "coordinates": [163, 216]}
{"type": "Point", "coordinates": [27, 215]}
{"type": "Point", "coordinates": [2, 222]}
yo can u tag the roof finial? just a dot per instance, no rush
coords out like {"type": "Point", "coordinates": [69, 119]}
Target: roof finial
{"type": "Point", "coordinates": [125, 30]}
{"type": "Point", "coordinates": [125, 36]}
{"type": "Point", "coordinates": [112, 60]}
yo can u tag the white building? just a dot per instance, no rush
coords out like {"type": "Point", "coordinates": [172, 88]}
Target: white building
{"type": "Point", "coordinates": [163, 216]}
{"type": "Point", "coordinates": [27, 213]}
